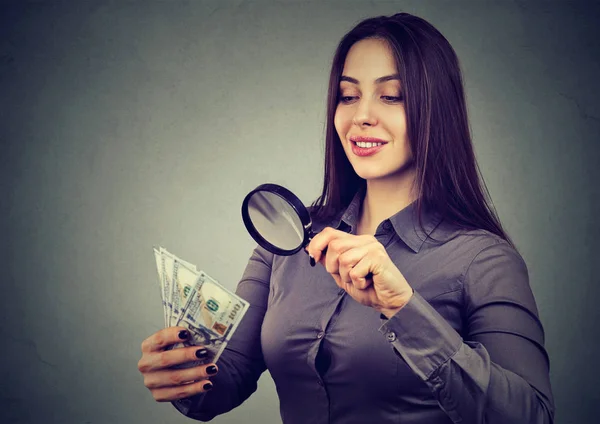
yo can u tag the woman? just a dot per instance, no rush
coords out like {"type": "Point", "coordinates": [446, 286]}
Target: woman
{"type": "Point", "coordinates": [420, 310]}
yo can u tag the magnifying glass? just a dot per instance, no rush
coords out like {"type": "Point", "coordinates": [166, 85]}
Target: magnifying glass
{"type": "Point", "coordinates": [276, 219]}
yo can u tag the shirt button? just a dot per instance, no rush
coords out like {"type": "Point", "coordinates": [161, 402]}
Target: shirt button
{"type": "Point", "coordinates": [319, 382]}
{"type": "Point", "coordinates": [320, 335]}
{"type": "Point", "coordinates": [387, 225]}
{"type": "Point", "coordinates": [391, 336]}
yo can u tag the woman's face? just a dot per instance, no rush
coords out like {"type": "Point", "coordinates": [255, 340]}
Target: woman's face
{"type": "Point", "coordinates": [370, 118]}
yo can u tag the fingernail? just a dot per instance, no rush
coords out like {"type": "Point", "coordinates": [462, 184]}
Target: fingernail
{"type": "Point", "coordinates": [311, 260]}
{"type": "Point", "coordinates": [201, 353]}
{"type": "Point", "coordinates": [211, 370]}
{"type": "Point", "coordinates": [183, 334]}
{"type": "Point", "coordinates": [208, 386]}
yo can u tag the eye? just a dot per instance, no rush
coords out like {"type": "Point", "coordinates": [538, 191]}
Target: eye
{"type": "Point", "coordinates": [393, 99]}
{"type": "Point", "coordinates": [347, 99]}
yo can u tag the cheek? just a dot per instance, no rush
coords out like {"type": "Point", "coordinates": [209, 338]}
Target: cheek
{"type": "Point", "coordinates": [341, 123]}
{"type": "Point", "coordinates": [398, 126]}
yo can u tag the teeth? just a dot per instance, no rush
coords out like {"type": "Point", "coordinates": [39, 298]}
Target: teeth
{"type": "Point", "coordinates": [367, 144]}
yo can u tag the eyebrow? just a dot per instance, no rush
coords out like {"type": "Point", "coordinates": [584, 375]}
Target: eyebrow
{"type": "Point", "coordinates": [377, 81]}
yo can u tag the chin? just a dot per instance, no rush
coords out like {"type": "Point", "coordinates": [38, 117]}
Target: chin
{"type": "Point", "coordinates": [372, 174]}
{"type": "Point", "coordinates": [369, 175]}
{"type": "Point", "coordinates": [376, 173]}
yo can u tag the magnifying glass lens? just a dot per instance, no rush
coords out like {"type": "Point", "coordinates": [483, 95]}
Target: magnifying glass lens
{"type": "Point", "coordinates": [275, 220]}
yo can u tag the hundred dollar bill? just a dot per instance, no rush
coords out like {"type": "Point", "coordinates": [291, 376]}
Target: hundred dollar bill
{"type": "Point", "coordinates": [192, 299]}
{"type": "Point", "coordinates": [159, 269]}
{"type": "Point", "coordinates": [184, 279]}
{"type": "Point", "coordinates": [171, 279]}
{"type": "Point", "coordinates": [211, 314]}
{"type": "Point", "coordinates": [167, 269]}
{"type": "Point", "coordinates": [177, 293]}
{"type": "Point", "coordinates": [185, 276]}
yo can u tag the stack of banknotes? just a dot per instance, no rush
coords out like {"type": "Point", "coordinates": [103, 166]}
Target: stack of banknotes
{"type": "Point", "coordinates": [192, 299]}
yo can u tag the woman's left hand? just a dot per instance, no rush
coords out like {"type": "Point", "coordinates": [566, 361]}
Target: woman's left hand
{"type": "Point", "coordinates": [361, 266]}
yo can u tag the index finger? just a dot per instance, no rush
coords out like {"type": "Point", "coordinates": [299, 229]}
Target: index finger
{"type": "Point", "coordinates": [163, 338]}
{"type": "Point", "coordinates": [320, 242]}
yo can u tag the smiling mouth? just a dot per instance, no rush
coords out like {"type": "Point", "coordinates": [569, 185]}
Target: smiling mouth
{"type": "Point", "coordinates": [367, 144]}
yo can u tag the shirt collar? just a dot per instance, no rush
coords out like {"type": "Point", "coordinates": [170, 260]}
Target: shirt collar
{"type": "Point", "coordinates": [405, 223]}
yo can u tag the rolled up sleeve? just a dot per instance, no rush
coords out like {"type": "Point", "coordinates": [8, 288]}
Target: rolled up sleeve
{"type": "Point", "coordinates": [500, 372]}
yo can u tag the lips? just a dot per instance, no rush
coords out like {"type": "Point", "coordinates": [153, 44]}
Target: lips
{"type": "Point", "coordinates": [366, 146]}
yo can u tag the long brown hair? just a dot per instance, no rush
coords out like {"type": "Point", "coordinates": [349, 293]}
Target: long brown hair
{"type": "Point", "coordinates": [448, 180]}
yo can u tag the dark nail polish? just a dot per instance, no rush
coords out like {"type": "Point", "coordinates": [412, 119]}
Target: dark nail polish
{"type": "Point", "coordinates": [311, 260]}
{"type": "Point", "coordinates": [211, 370]}
{"type": "Point", "coordinates": [208, 386]}
{"type": "Point", "coordinates": [201, 353]}
{"type": "Point", "coordinates": [183, 334]}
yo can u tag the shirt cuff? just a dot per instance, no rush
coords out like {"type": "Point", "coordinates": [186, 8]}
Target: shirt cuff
{"type": "Point", "coordinates": [422, 337]}
{"type": "Point", "coordinates": [189, 405]}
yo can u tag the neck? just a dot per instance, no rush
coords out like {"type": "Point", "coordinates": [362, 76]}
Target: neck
{"type": "Point", "coordinates": [384, 198]}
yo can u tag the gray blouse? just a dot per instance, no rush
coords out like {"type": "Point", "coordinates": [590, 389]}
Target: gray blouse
{"type": "Point", "coordinates": [467, 348]}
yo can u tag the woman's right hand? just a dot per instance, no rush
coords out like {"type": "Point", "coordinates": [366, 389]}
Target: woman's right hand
{"type": "Point", "coordinates": [165, 383]}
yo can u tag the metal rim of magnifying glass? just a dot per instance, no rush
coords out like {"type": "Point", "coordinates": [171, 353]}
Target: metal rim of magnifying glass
{"type": "Point", "coordinates": [293, 201]}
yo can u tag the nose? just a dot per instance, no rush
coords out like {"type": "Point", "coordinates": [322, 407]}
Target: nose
{"type": "Point", "coordinates": [364, 115]}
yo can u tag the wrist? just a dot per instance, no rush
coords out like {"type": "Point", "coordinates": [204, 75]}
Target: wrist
{"type": "Point", "coordinates": [390, 311]}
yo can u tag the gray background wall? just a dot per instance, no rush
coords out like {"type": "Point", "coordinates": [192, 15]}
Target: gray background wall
{"type": "Point", "coordinates": [126, 124]}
